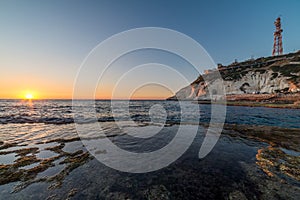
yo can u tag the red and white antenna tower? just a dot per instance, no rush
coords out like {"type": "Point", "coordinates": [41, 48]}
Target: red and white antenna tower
{"type": "Point", "coordinates": [277, 47]}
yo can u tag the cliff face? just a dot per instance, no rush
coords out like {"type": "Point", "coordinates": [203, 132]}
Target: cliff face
{"type": "Point", "coordinates": [270, 75]}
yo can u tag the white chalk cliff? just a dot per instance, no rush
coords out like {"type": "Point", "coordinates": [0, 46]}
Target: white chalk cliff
{"type": "Point", "coordinates": [279, 74]}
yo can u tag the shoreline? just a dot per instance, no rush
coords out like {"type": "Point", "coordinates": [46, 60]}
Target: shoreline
{"type": "Point", "coordinates": [257, 104]}
{"type": "Point", "coordinates": [290, 101]}
{"type": "Point", "coordinates": [251, 104]}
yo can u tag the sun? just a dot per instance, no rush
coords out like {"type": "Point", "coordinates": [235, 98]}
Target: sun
{"type": "Point", "coordinates": [29, 96]}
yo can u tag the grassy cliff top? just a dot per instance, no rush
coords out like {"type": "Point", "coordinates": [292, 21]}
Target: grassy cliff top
{"type": "Point", "coordinates": [287, 65]}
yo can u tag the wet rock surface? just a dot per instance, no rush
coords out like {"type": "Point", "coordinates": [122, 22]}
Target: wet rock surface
{"type": "Point", "coordinates": [248, 162]}
{"type": "Point", "coordinates": [288, 138]}
{"type": "Point", "coordinates": [27, 156]}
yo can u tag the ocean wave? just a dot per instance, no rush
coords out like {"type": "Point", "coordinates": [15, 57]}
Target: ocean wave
{"type": "Point", "coordinates": [60, 112]}
{"type": "Point", "coordinates": [46, 120]}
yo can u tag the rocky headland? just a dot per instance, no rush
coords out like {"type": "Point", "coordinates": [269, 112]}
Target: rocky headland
{"type": "Point", "coordinates": [268, 81]}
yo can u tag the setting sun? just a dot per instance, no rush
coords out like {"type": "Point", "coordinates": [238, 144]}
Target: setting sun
{"type": "Point", "coordinates": [28, 96]}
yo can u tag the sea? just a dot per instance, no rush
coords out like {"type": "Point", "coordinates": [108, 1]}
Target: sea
{"type": "Point", "coordinates": [42, 155]}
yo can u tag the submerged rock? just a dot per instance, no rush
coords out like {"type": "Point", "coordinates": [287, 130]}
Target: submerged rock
{"type": "Point", "coordinates": [275, 163]}
{"type": "Point", "coordinates": [237, 195]}
{"type": "Point", "coordinates": [157, 192]}
{"type": "Point", "coordinates": [288, 138]}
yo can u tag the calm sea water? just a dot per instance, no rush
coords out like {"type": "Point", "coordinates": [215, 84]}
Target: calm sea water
{"type": "Point", "coordinates": [229, 167]}
{"type": "Point", "coordinates": [60, 112]}
{"type": "Point", "coordinates": [41, 120]}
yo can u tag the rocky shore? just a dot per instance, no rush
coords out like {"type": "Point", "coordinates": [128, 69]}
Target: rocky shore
{"type": "Point", "coordinates": [249, 162]}
{"type": "Point", "coordinates": [259, 100]}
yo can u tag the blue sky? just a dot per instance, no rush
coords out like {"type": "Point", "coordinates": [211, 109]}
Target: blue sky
{"type": "Point", "coordinates": [48, 40]}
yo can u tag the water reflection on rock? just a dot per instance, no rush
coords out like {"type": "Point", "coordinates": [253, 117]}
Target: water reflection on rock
{"type": "Point", "coordinates": [248, 162]}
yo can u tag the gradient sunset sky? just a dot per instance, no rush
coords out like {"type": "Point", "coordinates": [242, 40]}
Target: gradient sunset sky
{"type": "Point", "coordinates": [43, 43]}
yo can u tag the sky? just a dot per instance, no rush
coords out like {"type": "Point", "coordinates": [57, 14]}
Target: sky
{"type": "Point", "coordinates": [43, 43]}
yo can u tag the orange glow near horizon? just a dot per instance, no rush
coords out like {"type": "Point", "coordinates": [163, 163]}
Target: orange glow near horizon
{"type": "Point", "coordinates": [38, 90]}
{"type": "Point", "coordinates": [146, 92]}
{"type": "Point", "coordinates": [141, 94]}
{"type": "Point", "coordinates": [16, 85]}
{"type": "Point", "coordinates": [35, 93]}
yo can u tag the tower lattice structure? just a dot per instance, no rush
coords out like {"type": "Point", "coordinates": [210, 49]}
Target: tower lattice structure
{"type": "Point", "coordinates": [277, 47]}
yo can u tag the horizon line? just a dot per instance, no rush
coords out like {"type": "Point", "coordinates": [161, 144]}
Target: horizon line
{"type": "Point", "coordinates": [121, 99]}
